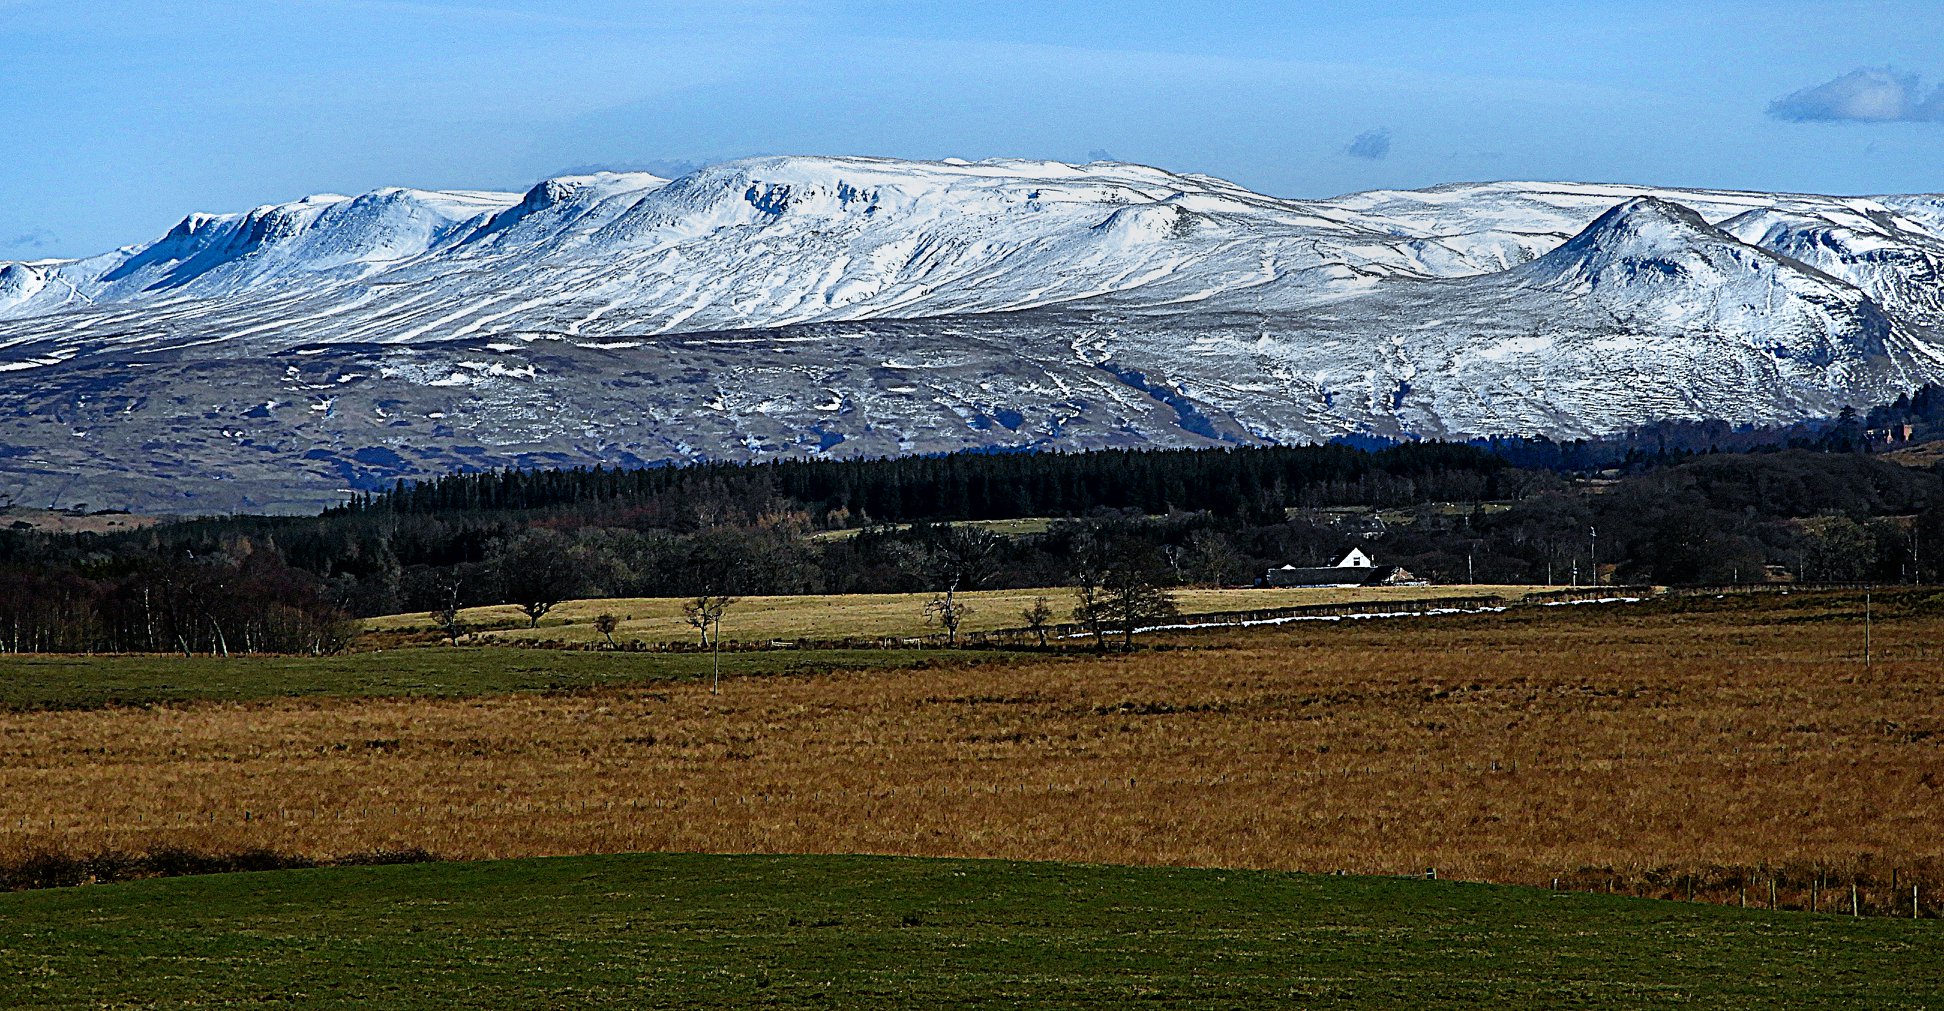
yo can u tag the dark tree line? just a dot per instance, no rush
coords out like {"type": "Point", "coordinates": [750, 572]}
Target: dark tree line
{"type": "Point", "coordinates": [248, 601]}
{"type": "Point", "coordinates": [287, 584]}
{"type": "Point", "coordinates": [974, 485]}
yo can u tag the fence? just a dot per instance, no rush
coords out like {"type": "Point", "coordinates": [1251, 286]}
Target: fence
{"type": "Point", "coordinates": [1253, 616]}
{"type": "Point", "coordinates": [1066, 632]}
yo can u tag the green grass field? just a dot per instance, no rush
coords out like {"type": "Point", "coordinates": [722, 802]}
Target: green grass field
{"type": "Point", "coordinates": [70, 682]}
{"type": "Point", "coordinates": [834, 932]}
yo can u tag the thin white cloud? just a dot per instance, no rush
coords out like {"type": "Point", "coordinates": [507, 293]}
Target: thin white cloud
{"type": "Point", "coordinates": [1868, 95]}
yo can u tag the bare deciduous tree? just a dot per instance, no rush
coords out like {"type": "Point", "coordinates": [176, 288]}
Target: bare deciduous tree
{"type": "Point", "coordinates": [1210, 558]}
{"type": "Point", "coordinates": [1120, 586]}
{"type": "Point", "coordinates": [447, 616]}
{"type": "Point", "coordinates": [1134, 599]}
{"type": "Point", "coordinates": [947, 612]}
{"type": "Point", "coordinates": [705, 614]}
{"type": "Point", "coordinates": [1038, 615]}
{"type": "Point", "coordinates": [954, 559]}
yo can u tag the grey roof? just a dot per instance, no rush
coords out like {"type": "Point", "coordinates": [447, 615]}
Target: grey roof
{"type": "Point", "coordinates": [1325, 575]}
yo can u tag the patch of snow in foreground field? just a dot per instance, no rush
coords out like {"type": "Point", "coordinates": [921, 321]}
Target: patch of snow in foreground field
{"type": "Point", "coordinates": [1433, 612]}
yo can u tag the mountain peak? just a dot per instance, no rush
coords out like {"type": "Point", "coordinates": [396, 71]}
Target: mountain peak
{"type": "Point", "coordinates": [1644, 222]}
{"type": "Point", "coordinates": [1649, 241]}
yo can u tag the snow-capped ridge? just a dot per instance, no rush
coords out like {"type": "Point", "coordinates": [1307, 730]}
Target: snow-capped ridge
{"type": "Point", "coordinates": [277, 244]}
{"type": "Point", "coordinates": [19, 282]}
{"type": "Point", "coordinates": [1879, 250]}
{"type": "Point", "coordinates": [556, 202]}
{"type": "Point", "coordinates": [1651, 240]}
{"type": "Point", "coordinates": [837, 305]}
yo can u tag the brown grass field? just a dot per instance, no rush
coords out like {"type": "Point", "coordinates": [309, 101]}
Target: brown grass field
{"type": "Point", "coordinates": [838, 616]}
{"type": "Point", "coordinates": [1646, 745]}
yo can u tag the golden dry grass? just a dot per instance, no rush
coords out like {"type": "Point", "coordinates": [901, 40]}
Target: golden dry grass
{"type": "Point", "coordinates": [60, 521]}
{"type": "Point", "coordinates": [1504, 748]}
{"type": "Point", "coordinates": [840, 616]}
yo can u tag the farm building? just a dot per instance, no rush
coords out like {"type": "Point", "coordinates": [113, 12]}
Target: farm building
{"type": "Point", "coordinates": [1354, 569]}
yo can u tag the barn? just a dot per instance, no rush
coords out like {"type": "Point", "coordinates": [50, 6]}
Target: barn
{"type": "Point", "coordinates": [1355, 568]}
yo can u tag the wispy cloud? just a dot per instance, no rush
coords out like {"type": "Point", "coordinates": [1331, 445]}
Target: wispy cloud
{"type": "Point", "coordinates": [39, 238]}
{"type": "Point", "coordinates": [1372, 144]}
{"type": "Point", "coordinates": [1868, 95]}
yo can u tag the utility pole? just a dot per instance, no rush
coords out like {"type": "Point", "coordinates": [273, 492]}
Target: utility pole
{"type": "Point", "coordinates": [1866, 630]}
{"type": "Point", "coordinates": [715, 657]}
{"type": "Point", "coordinates": [1593, 551]}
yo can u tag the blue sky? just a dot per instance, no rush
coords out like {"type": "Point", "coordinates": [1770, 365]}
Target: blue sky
{"type": "Point", "coordinates": [120, 117]}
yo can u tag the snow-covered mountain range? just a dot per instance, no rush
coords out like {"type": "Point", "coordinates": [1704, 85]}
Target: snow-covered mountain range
{"type": "Point", "coordinates": [277, 358]}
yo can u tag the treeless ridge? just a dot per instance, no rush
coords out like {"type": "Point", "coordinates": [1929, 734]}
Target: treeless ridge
{"type": "Point", "coordinates": [1648, 746]}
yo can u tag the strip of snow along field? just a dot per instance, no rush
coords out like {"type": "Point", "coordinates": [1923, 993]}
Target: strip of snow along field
{"type": "Point", "coordinates": [1428, 613]}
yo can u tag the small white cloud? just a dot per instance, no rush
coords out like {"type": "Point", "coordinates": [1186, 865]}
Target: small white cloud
{"type": "Point", "coordinates": [1869, 95]}
{"type": "Point", "coordinates": [1372, 144]}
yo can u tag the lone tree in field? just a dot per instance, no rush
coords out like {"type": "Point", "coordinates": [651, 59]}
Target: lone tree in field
{"type": "Point", "coordinates": [606, 624]}
{"type": "Point", "coordinates": [705, 614]}
{"type": "Point", "coordinates": [1134, 597]}
{"type": "Point", "coordinates": [538, 569]}
{"type": "Point", "coordinates": [954, 559]}
{"type": "Point", "coordinates": [948, 613]}
{"type": "Point", "coordinates": [1120, 584]}
{"type": "Point", "coordinates": [1089, 579]}
{"type": "Point", "coordinates": [1038, 615]}
{"type": "Point", "coordinates": [446, 618]}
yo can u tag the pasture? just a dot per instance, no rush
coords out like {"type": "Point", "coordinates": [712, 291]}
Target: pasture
{"type": "Point", "coordinates": [1668, 748]}
{"type": "Point", "coordinates": [866, 615]}
{"type": "Point", "coordinates": [789, 932]}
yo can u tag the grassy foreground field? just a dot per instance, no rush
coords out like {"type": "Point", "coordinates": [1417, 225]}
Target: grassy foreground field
{"type": "Point", "coordinates": [1654, 748]}
{"type": "Point", "coordinates": [703, 931]}
{"type": "Point", "coordinates": [659, 619]}
{"type": "Point", "coordinates": [85, 682]}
